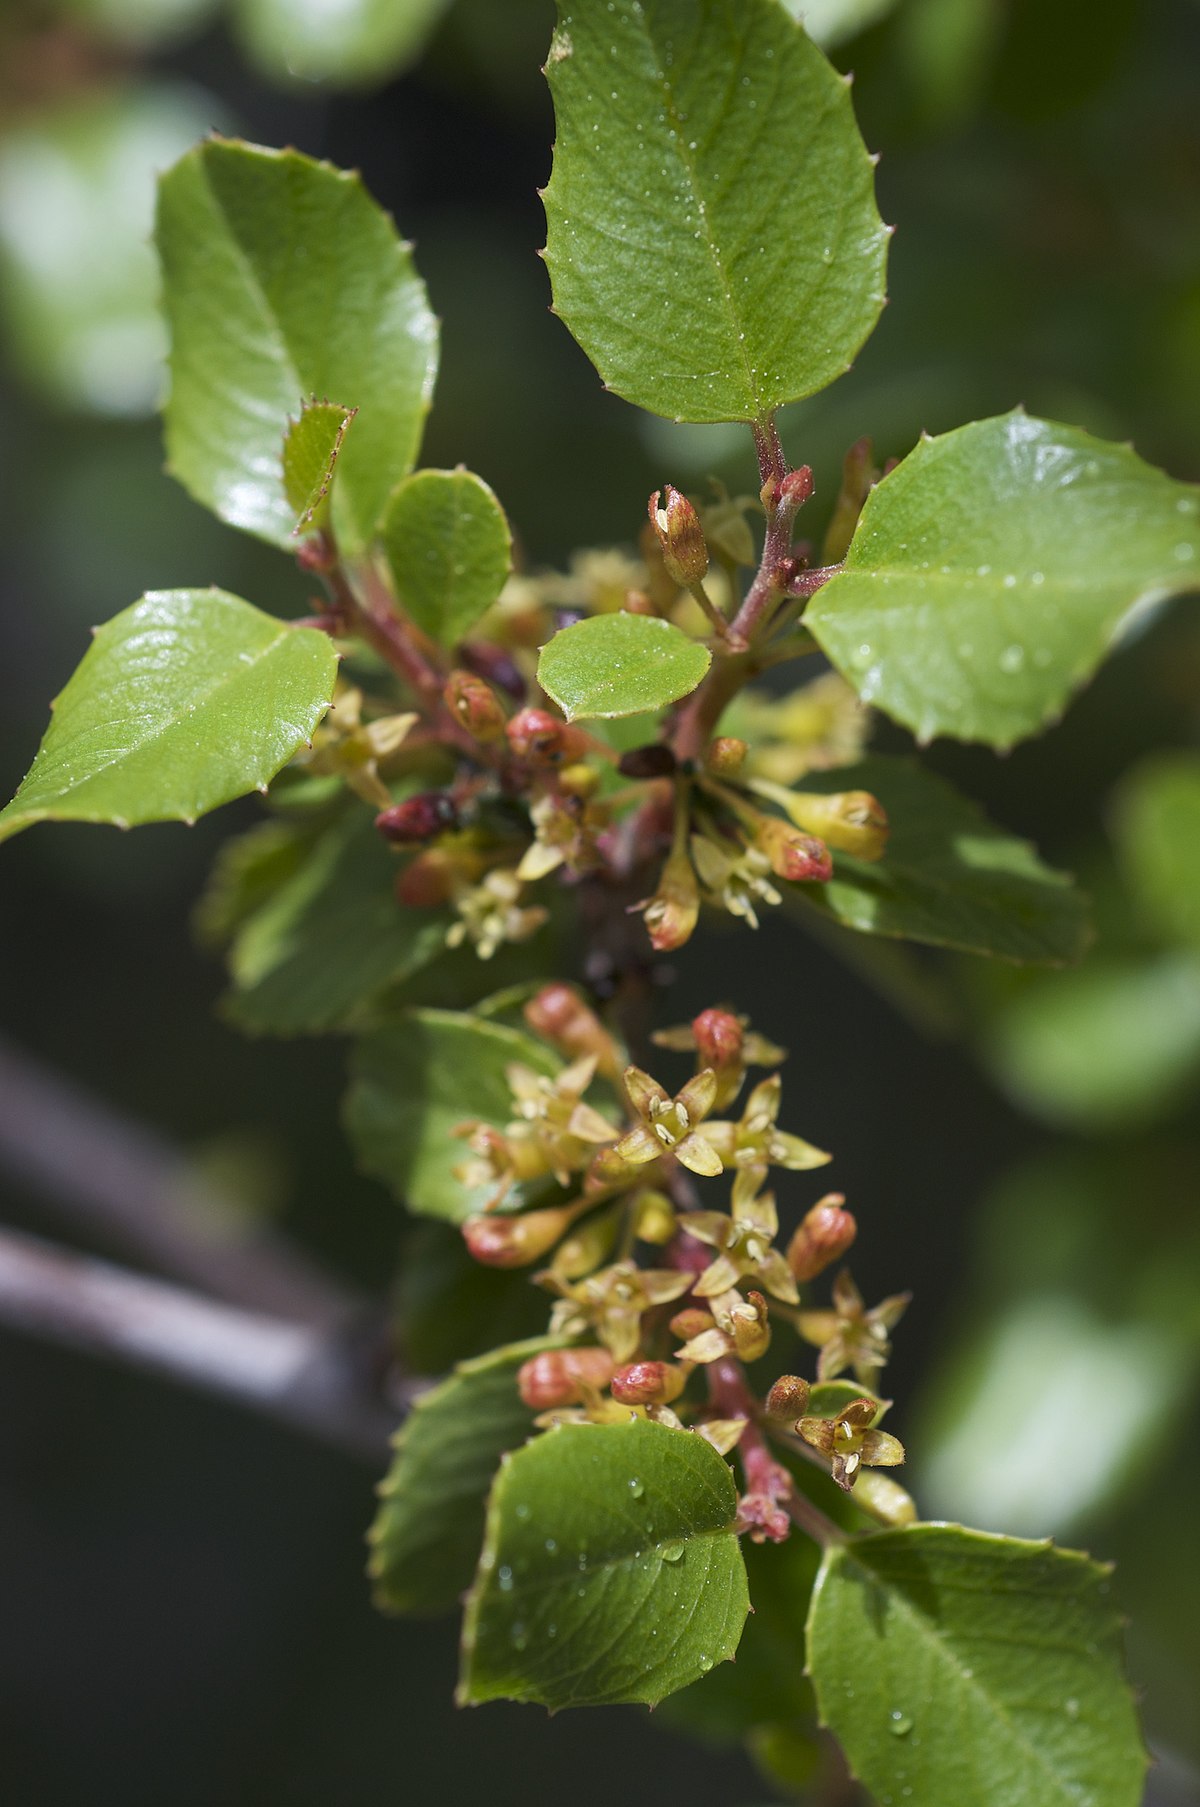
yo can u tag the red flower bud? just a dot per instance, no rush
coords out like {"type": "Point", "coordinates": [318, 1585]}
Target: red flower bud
{"type": "Point", "coordinates": [541, 738]}
{"type": "Point", "coordinates": [428, 881]}
{"type": "Point", "coordinates": [690, 1322]}
{"type": "Point", "coordinates": [719, 1039]}
{"type": "Point", "coordinates": [788, 1398]}
{"type": "Point", "coordinates": [418, 819]}
{"type": "Point", "coordinates": [557, 1376]}
{"type": "Point", "coordinates": [474, 704]}
{"type": "Point", "coordinates": [516, 1241]}
{"type": "Point", "coordinates": [823, 1237]}
{"type": "Point", "coordinates": [680, 536]}
{"type": "Point", "coordinates": [647, 1383]}
{"type": "Point", "coordinates": [795, 488]}
{"type": "Point", "coordinates": [794, 855]}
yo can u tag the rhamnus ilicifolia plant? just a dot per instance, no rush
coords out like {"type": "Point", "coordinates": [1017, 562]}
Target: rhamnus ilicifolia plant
{"type": "Point", "coordinates": [495, 797]}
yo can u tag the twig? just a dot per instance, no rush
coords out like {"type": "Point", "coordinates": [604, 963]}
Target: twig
{"type": "Point", "coordinates": [110, 1175]}
{"type": "Point", "coordinates": [303, 1376]}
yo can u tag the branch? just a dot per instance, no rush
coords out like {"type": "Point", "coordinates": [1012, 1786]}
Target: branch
{"type": "Point", "coordinates": [317, 1381]}
{"type": "Point", "coordinates": [110, 1175]}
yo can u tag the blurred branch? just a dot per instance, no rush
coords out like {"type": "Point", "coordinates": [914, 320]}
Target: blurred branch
{"type": "Point", "coordinates": [317, 1380]}
{"type": "Point", "coordinates": [110, 1175]}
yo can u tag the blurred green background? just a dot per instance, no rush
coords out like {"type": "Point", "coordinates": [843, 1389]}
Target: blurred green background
{"type": "Point", "coordinates": [185, 1618]}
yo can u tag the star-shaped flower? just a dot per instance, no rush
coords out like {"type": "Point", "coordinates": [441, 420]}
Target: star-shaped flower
{"type": "Point", "coordinates": [553, 1114]}
{"type": "Point", "coordinates": [745, 1241]}
{"type": "Point", "coordinates": [489, 915]}
{"type": "Point", "coordinates": [735, 877]}
{"type": "Point", "coordinates": [757, 1142]}
{"type": "Point", "coordinates": [850, 1443]}
{"type": "Point", "coordinates": [849, 1336]}
{"type": "Point", "coordinates": [670, 1125]}
{"type": "Point", "coordinates": [611, 1303]}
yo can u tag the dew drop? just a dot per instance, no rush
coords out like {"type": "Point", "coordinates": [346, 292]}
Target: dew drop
{"type": "Point", "coordinates": [518, 1637]}
{"type": "Point", "coordinates": [505, 1580]}
{"type": "Point", "coordinates": [552, 1631]}
{"type": "Point", "coordinates": [1012, 659]}
{"type": "Point", "coordinates": [637, 1487]}
{"type": "Point", "coordinates": [522, 1510]}
{"type": "Point", "coordinates": [705, 1662]}
{"type": "Point", "coordinates": [899, 1724]}
{"type": "Point", "coordinates": [551, 1546]}
{"type": "Point", "coordinates": [671, 1552]}
{"type": "Point", "coordinates": [983, 570]}
{"type": "Point", "coordinates": [1186, 505]}
{"type": "Point", "coordinates": [1010, 582]}
{"type": "Point", "coordinates": [1037, 577]}
{"type": "Point", "coordinates": [1071, 1708]}
{"type": "Point", "coordinates": [1184, 551]}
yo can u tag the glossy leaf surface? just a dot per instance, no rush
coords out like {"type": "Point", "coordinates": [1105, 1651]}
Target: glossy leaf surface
{"type": "Point", "coordinates": [413, 1082]}
{"type": "Point", "coordinates": [184, 701]}
{"type": "Point", "coordinates": [620, 665]}
{"type": "Point", "coordinates": [448, 545]}
{"type": "Point", "coordinates": [610, 1572]}
{"type": "Point", "coordinates": [968, 1667]}
{"type": "Point", "coordinates": [713, 241]}
{"type": "Point", "coordinates": [283, 280]}
{"type": "Point", "coordinates": [426, 1538]}
{"type": "Point", "coordinates": [994, 568]}
{"type": "Point", "coordinates": [311, 447]}
{"type": "Point", "coordinates": [949, 877]}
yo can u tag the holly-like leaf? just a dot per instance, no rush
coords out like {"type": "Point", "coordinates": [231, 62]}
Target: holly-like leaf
{"type": "Point", "coordinates": [413, 1082]}
{"type": "Point", "coordinates": [184, 701]}
{"type": "Point", "coordinates": [993, 569]}
{"type": "Point", "coordinates": [1158, 838]}
{"type": "Point", "coordinates": [967, 1667]}
{"type": "Point", "coordinates": [610, 1571]}
{"type": "Point", "coordinates": [284, 280]}
{"type": "Point", "coordinates": [311, 447]}
{"type": "Point", "coordinates": [620, 665]}
{"type": "Point", "coordinates": [699, 293]}
{"type": "Point", "coordinates": [448, 544]}
{"type": "Point", "coordinates": [329, 938]}
{"type": "Point", "coordinates": [949, 877]}
{"type": "Point", "coordinates": [427, 1534]}
{"type": "Point", "coordinates": [353, 43]}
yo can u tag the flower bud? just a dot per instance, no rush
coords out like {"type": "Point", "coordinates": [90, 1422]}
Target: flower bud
{"type": "Point", "coordinates": [793, 855]}
{"type": "Point", "coordinates": [516, 1241]}
{"type": "Point", "coordinates": [853, 821]}
{"type": "Point", "coordinates": [654, 1218]}
{"type": "Point", "coordinates": [788, 1398]}
{"type": "Point", "coordinates": [558, 1376]}
{"type": "Point", "coordinates": [582, 781]}
{"type": "Point", "coordinates": [725, 756]}
{"type": "Point", "coordinates": [541, 738]}
{"type": "Point", "coordinates": [795, 489]}
{"type": "Point", "coordinates": [559, 1014]}
{"type": "Point", "coordinates": [653, 761]}
{"type": "Point", "coordinates": [672, 913]}
{"type": "Point", "coordinates": [418, 819]}
{"type": "Point", "coordinates": [680, 536]}
{"type": "Point", "coordinates": [720, 1039]}
{"type": "Point", "coordinates": [474, 704]}
{"type": "Point", "coordinates": [823, 1237]}
{"type": "Point", "coordinates": [588, 1247]}
{"type": "Point", "coordinates": [647, 1383]}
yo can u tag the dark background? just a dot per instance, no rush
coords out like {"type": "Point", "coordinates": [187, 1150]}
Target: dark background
{"type": "Point", "coordinates": [182, 1611]}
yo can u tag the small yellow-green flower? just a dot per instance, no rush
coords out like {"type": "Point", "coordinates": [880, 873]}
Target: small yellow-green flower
{"type": "Point", "coordinates": [849, 1336]}
{"type": "Point", "coordinates": [850, 1443]}
{"type": "Point", "coordinates": [745, 1241]}
{"type": "Point", "coordinates": [670, 1125]}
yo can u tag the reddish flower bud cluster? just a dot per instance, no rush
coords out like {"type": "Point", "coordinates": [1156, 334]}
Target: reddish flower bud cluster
{"type": "Point", "coordinates": [823, 1237]}
{"type": "Point", "coordinates": [418, 819]}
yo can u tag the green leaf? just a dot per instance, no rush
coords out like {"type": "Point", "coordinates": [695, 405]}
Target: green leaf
{"type": "Point", "coordinates": [311, 447]}
{"type": "Point", "coordinates": [184, 701]}
{"type": "Point", "coordinates": [949, 877]}
{"type": "Point", "coordinates": [412, 1082]}
{"type": "Point", "coordinates": [620, 665]}
{"type": "Point", "coordinates": [1109, 1048]}
{"type": "Point", "coordinates": [329, 938]}
{"type": "Point", "coordinates": [447, 542]}
{"type": "Point", "coordinates": [284, 280]}
{"type": "Point", "coordinates": [79, 288]}
{"type": "Point", "coordinates": [427, 1533]}
{"type": "Point", "coordinates": [993, 569]}
{"type": "Point", "coordinates": [1158, 838]}
{"type": "Point", "coordinates": [712, 235]}
{"type": "Point", "coordinates": [610, 1572]}
{"type": "Point", "coordinates": [353, 43]}
{"type": "Point", "coordinates": [967, 1667]}
{"type": "Point", "coordinates": [831, 22]}
{"type": "Point", "coordinates": [451, 1307]}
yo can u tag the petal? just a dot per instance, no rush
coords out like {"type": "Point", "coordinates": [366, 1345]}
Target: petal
{"type": "Point", "coordinates": [795, 1153]}
{"type": "Point", "coordinates": [890, 1311]}
{"type": "Point", "coordinates": [698, 1095]}
{"type": "Point", "coordinates": [757, 1212]}
{"type": "Point", "coordinates": [709, 1346]}
{"type": "Point", "coordinates": [643, 1091]}
{"type": "Point", "coordinates": [638, 1147]}
{"type": "Point", "coordinates": [881, 1450]}
{"type": "Point", "coordinates": [712, 1227]}
{"type": "Point", "coordinates": [679, 1039]}
{"type": "Point", "coordinates": [722, 1136]}
{"type": "Point", "coordinates": [777, 1277]}
{"type": "Point", "coordinates": [717, 1278]}
{"type": "Point", "coordinates": [699, 1156]}
{"type": "Point", "coordinates": [723, 1433]}
{"type": "Point", "coordinates": [834, 1357]}
{"type": "Point", "coordinates": [847, 1300]}
{"type": "Point", "coordinates": [589, 1125]}
{"type": "Point", "coordinates": [575, 1079]}
{"type": "Point", "coordinates": [818, 1432]}
{"type": "Point", "coordinates": [757, 1051]}
{"type": "Point", "coordinates": [662, 1284]}
{"type": "Point", "coordinates": [764, 1100]}
{"type": "Point", "coordinates": [817, 1327]}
